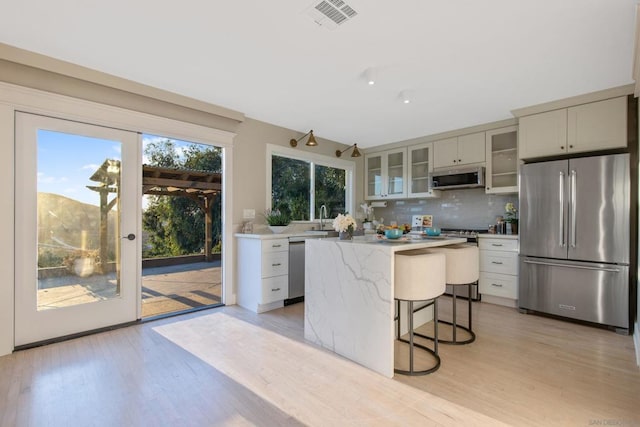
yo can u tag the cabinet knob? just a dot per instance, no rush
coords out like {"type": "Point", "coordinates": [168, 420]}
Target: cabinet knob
{"type": "Point", "coordinates": [562, 147]}
{"type": "Point", "coordinates": [488, 188]}
{"type": "Point", "coordinates": [570, 146]}
{"type": "Point", "coordinates": [459, 160]}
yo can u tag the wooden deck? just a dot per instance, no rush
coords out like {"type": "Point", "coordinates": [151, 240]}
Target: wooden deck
{"type": "Point", "coordinates": [164, 289]}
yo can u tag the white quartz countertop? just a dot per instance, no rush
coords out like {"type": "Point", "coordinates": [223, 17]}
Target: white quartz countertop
{"type": "Point", "coordinates": [498, 236]}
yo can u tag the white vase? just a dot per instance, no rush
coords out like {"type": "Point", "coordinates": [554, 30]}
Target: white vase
{"type": "Point", "coordinates": [277, 229]}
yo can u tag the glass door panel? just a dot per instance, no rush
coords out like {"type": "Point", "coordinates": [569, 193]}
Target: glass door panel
{"type": "Point", "coordinates": [374, 175]}
{"type": "Point", "coordinates": [76, 254]}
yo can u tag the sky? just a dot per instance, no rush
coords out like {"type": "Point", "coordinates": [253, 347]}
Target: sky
{"type": "Point", "coordinates": [67, 161]}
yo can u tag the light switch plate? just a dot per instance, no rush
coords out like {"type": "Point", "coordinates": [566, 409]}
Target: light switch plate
{"type": "Point", "coordinates": [248, 213]}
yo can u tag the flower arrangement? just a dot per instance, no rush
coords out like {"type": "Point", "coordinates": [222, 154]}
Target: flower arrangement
{"type": "Point", "coordinates": [275, 217]}
{"type": "Point", "coordinates": [511, 213]}
{"type": "Point", "coordinates": [344, 224]}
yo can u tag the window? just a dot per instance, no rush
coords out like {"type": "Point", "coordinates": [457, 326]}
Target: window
{"type": "Point", "coordinates": [299, 183]}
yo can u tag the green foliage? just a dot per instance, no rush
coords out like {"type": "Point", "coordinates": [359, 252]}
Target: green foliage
{"type": "Point", "coordinates": [290, 183]}
{"type": "Point", "coordinates": [330, 190]}
{"type": "Point", "coordinates": [275, 217]}
{"type": "Point", "coordinates": [291, 188]}
{"type": "Point", "coordinates": [176, 224]}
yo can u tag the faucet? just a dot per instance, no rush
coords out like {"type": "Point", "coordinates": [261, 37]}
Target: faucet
{"type": "Point", "coordinates": [323, 207]}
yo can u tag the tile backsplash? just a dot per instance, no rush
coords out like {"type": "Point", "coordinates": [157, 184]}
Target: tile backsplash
{"type": "Point", "coordinates": [464, 209]}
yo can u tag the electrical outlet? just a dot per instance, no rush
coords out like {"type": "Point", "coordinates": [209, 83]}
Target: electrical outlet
{"type": "Point", "coordinates": [249, 213]}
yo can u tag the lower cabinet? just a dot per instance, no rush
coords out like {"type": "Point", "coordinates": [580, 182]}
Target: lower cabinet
{"type": "Point", "coordinates": [262, 273]}
{"type": "Point", "coordinates": [498, 282]}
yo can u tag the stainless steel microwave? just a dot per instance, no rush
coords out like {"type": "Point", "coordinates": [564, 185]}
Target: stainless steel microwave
{"type": "Point", "coordinates": [449, 179]}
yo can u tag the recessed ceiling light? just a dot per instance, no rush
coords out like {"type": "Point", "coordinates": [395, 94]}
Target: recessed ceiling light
{"type": "Point", "coordinates": [404, 96]}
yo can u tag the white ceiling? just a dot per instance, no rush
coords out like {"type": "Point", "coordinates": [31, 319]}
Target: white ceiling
{"type": "Point", "coordinates": [463, 62]}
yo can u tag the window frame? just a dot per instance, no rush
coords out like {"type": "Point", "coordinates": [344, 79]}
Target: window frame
{"type": "Point", "coordinates": [314, 159]}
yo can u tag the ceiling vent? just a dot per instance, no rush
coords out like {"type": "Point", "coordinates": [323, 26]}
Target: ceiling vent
{"type": "Point", "coordinates": [331, 13]}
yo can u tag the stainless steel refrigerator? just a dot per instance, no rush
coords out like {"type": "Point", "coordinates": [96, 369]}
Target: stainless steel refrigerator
{"type": "Point", "coordinates": [575, 242]}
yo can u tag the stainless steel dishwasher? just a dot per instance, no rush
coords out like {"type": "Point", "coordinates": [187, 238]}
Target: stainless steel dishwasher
{"type": "Point", "coordinates": [296, 270]}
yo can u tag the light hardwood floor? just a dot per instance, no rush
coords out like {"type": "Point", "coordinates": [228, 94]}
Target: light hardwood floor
{"type": "Point", "coordinates": [522, 370]}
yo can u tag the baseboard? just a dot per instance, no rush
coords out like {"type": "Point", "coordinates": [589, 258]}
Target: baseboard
{"type": "Point", "coordinates": [636, 341]}
{"type": "Point", "coordinates": [507, 302]}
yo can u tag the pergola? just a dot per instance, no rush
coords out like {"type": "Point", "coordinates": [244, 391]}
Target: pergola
{"type": "Point", "coordinates": [201, 186]}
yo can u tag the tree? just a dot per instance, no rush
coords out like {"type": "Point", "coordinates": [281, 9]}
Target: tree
{"type": "Point", "coordinates": [176, 224]}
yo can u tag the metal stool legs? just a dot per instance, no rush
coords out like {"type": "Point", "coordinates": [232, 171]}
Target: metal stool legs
{"type": "Point", "coordinates": [454, 323]}
{"type": "Point", "coordinates": [413, 334]}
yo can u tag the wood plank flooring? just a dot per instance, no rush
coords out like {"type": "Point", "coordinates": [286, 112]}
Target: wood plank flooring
{"type": "Point", "coordinates": [522, 370]}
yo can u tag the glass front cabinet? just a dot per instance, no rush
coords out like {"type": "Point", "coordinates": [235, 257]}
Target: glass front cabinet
{"type": "Point", "coordinates": [502, 160]}
{"type": "Point", "coordinates": [420, 170]}
{"type": "Point", "coordinates": [385, 174]}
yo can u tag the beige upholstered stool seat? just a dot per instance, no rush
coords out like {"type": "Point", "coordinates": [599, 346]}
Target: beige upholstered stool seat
{"type": "Point", "coordinates": [463, 268]}
{"type": "Point", "coordinates": [419, 276]}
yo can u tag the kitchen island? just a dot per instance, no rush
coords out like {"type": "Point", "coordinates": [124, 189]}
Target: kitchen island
{"type": "Point", "coordinates": [349, 288]}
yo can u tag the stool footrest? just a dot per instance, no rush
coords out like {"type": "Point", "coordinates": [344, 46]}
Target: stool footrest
{"type": "Point", "coordinates": [456, 342]}
{"type": "Point", "coordinates": [424, 371]}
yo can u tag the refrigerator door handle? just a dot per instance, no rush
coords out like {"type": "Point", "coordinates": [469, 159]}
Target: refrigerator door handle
{"type": "Point", "coordinates": [583, 267]}
{"type": "Point", "coordinates": [561, 201]}
{"type": "Point", "coordinates": [572, 190]}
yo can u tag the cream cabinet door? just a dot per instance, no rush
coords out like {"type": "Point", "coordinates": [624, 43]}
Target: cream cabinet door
{"type": "Point", "coordinates": [471, 148]}
{"type": "Point", "coordinates": [597, 126]}
{"type": "Point", "coordinates": [502, 160]}
{"type": "Point", "coordinates": [445, 153]}
{"type": "Point", "coordinates": [543, 134]}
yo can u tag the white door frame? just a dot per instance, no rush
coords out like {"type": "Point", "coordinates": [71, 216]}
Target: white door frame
{"type": "Point", "coordinates": [17, 98]}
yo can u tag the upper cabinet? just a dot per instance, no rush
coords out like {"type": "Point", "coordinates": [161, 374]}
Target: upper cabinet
{"type": "Point", "coordinates": [385, 175]}
{"type": "Point", "coordinates": [419, 172]}
{"type": "Point", "coordinates": [502, 160]}
{"type": "Point", "coordinates": [461, 150]}
{"type": "Point", "coordinates": [595, 126]}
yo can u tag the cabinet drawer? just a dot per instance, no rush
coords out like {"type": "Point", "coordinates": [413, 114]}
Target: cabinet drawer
{"type": "Point", "coordinates": [274, 289]}
{"type": "Point", "coordinates": [275, 264]}
{"type": "Point", "coordinates": [499, 285]}
{"type": "Point", "coordinates": [499, 262]}
{"type": "Point", "coordinates": [498, 244]}
{"type": "Point", "coordinates": [275, 245]}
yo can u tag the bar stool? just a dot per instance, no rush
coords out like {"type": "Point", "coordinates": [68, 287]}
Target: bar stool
{"type": "Point", "coordinates": [463, 268]}
{"type": "Point", "coordinates": [419, 276]}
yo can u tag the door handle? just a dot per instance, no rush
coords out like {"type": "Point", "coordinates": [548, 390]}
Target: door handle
{"type": "Point", "coordinates": [496, 262]}
{"type": "Point", "coordinates": [580, 267]}
{"type": "Point", "coordinates": [561, 201]}
{"type": "Point", "coordinates": [130, 236]}
{"type": "Point", "coordinates": [573, 190]}
{"type": "Point", "coordinates": [496, 285]}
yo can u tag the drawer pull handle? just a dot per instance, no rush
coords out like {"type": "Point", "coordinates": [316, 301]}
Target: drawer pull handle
{"type": "Point", "coordinates": [496, 244]}
{"type": "Point", "coordinates": [496, 262]}
{"type": "Point", "coordinates": [276, 264]}
{"type": "Point", "coordinates": [496, 285]}
{"type": "Point", "coordinates": [275, 290]}
{"type": "Point", "coordinates": [276, 246]}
